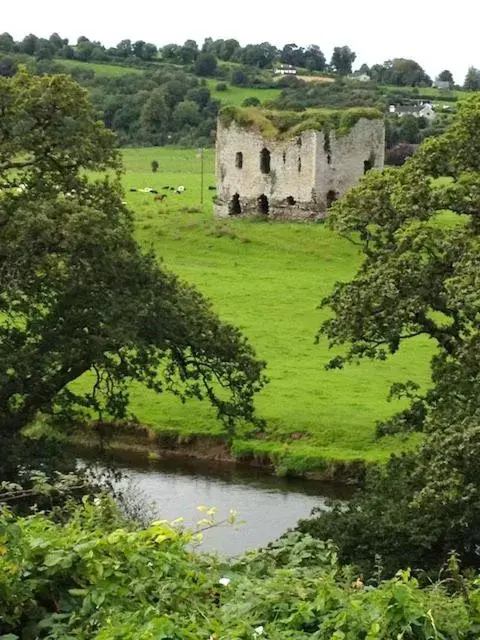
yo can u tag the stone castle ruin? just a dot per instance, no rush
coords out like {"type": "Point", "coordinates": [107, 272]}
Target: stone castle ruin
{"type": "Point", "coordinates": [293, 166]}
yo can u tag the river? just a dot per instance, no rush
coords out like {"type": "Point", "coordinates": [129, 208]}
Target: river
{"type": "Point", "coordinates": [266, 506]}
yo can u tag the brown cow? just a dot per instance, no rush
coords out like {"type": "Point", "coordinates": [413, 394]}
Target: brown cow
{"type": "Point", "coordinates": [160, 197]}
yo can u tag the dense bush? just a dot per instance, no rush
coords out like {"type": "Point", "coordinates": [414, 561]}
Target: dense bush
{"type": "Point", "coordinates": [96, 576]}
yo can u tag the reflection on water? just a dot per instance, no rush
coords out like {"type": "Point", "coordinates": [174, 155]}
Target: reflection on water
{"type": "Point", "coordinates": [267, 505]}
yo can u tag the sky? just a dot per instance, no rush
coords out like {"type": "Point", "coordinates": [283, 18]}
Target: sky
{"type": "Point", "coordinates": [377, 30]}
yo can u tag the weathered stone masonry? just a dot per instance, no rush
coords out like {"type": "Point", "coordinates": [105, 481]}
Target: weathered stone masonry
{"type": "Point", "coordinates": [293, 179]}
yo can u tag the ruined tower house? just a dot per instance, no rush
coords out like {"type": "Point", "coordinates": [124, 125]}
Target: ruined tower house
{"type": "Point", "coordinates": [292, 166]}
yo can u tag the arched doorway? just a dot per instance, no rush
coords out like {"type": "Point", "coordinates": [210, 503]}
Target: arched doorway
{"type": "Point", "coordinates": [262, 204]}
{"type": "Point", "coordinates": [332, 196]}
{"type": "Point", "coordinates": [234, 206]}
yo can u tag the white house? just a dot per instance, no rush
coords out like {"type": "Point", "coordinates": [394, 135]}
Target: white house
{"type": "Point", "coordinates": [422, 110]}
{"type": "Point", "coordinates": [285, 70]}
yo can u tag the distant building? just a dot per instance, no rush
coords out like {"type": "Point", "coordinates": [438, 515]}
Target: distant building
{"type": "Point", "coordinates": [294, 177]}
{"type": "Point", "coordinates": [285, 70]}
{"type": "Point", "coordinates": [363, 77]}
{"type": "Point", "coordinates": [443, 85]}
{"type": "Point", "coordinates": [422, 110]}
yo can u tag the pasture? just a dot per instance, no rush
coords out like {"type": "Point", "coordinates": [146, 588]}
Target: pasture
{"type": "Point", "coordinates": [269, 280]}
{"type": "Point", "coordinates": [236, 95]}
{"type": "Point", "coordinates": [99, 68]}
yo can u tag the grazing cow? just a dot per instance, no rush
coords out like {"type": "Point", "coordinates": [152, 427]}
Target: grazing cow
{"type": "Point", "coordinates": [133, 189]}
{"type": "Point", "coordinates": [160, 197]}
{"type": "Point", "coordinates": [167, 187]}
{"type": "Point", "coordinates": [180, 189]}
{"type": "Point", "coordinates": [212, 188]}
{"type": "Point", "coordinates": [153, 191]}
{"type": "Point", "coordinates": [172, 188]}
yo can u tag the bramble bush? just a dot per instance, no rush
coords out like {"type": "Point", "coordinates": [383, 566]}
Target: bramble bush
{"type": "Point", "coordinates": [96, 576]}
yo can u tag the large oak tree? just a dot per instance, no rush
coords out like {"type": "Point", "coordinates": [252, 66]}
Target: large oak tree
{"type": "Point", "coordinates": [77, 293]}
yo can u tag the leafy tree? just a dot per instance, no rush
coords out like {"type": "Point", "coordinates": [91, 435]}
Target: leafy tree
{"type": "Point", "coordinates": [418, 278]}
{"type": "Point", "coordinates": [171, 52]}
{"type": "Point", "coordinates": [292, 54]}
{"type": "Point", "coordinates": [229, 50]}
{"type": "Point", "coordinates": [84, 50]}
{"type": "Point", "coordinates": [314, 58]}
{"type": "Point", "coordinates": [401, 72]}
{"type": "Point", "coordinates": [8, 67]}
{"type": "Point", "coordinates": [259, 55]}
{"type": "Point", "coordinates": [45, 50]}
{"type": "Point", "coordinates": [29, 44]}
{"type": "Point", "coordinates": [251, 101]}
{"type": "Point", "coordinates": [149, 51]}
{"type": "Point", "coordinates": [239, 78]}
{"type": "Point", "coordinates": [76, 292]}
{"type": "Point", "coordinates": [342, 60]}
{"type": "Point", "coordinates": [186, 113]}
{"type": "Point", "coordinates": [67, 52]}
{"type": "Point", "coordinates": [124, 48]}
{"type": "Point", "coordinates": [188, 52]}
{"type": "Point", "coordinates": [472, 79]}
{"type": "Point", "coordinates": [57, 42]}
{"type": "Point", "coordinates": [206, 64]}
{"type": "Point", "coordinates": [7, 43]}
{"type": "Point", "coordinates": [446, 76]}
{"type": "Point", "coordinates": [221, 86]}
{"type": "Point", "coordinates": [155, 166]}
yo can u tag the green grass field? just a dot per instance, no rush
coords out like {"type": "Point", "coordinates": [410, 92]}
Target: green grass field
{"type": "Point", "coordinates": [236, 95]}
{"type": "Point", "coordinates": [268, 278]}
{"type": "Point", "coordinates": [99, 68]}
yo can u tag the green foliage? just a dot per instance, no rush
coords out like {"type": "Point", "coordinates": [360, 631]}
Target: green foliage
{"type": "Point", "coordinates": [154, 165]}
{"type": "Point", "coordinates": [342, 60]}
{"type": "Point", "coordinates": [286, 124]}
{"type": "Point", "coordinates": [77, 294]}
{"type": "Point", "coordinates": [206, 64]}
{"type": "Point", "coordinates": [417, 278]}
{"type": "Point", "coordinates": [94, 576]}
{"type": "Point", "coordinates": [400, 72]}
{"type": "Point", "coordinates": [472, 79]}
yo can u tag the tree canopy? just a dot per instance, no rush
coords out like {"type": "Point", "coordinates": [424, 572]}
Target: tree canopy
{"type": "Point", "coordinates": [418, 279]}
{"type": "Point", "coordinates": [77, 294]}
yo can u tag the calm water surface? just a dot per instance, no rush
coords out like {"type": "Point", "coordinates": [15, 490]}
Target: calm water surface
{"type": "Point", "coordinates": [266, 505]}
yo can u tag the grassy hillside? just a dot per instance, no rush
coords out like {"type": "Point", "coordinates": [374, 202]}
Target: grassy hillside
{"type": "Point", "coordinates": [236, 95]}
{"type": "Point", "coordinates": [99, 68]}
{"type": "Point", "coordinates": [268, 279]}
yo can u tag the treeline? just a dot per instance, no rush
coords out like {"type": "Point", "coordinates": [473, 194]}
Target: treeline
{"type": "Point", "coordinates": [261, 55]}
{"type": "Point", "coordinates": [164, 105]}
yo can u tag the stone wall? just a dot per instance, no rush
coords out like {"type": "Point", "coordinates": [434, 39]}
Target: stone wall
{"type": "Point", "coordinates": [302, 171]}
{"type": "Point", "coordinates": [347, 155]}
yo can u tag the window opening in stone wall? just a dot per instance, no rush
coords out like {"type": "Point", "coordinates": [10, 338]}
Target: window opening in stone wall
{"type": "Point", "coordinates": [299, 141]}
{"type": "Point", "coordinates": [299, 165]}
{"type": "Point", "coordinates": [239, 159]}
{"type": "Point", "coordinates": [290, 200]}
{"type": "Point", "coordinates": [369, 164]}
{"type": "Point", "coordinates": [329, 159]}
{"type": "Point", "coordinates": [327, 147]}
{"type": "Point", "coordinates": [332, 196]}
{"type": "Point", "coordinates": [234, 206]}
{"type": "Point", "coordinates": [263, 204]}
{"type": "Point", "coordinates": [284, 157]}
{"type": "Point", "coordinates": [265, 160]}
